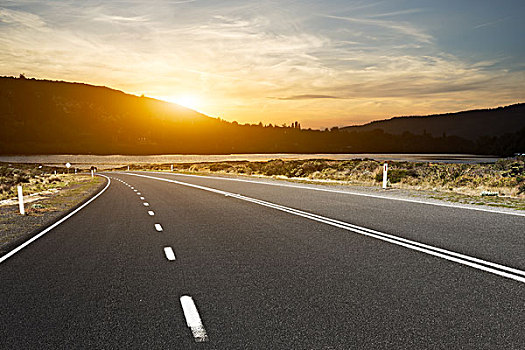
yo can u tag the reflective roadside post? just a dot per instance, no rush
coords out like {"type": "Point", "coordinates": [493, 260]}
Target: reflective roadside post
{"type": "Point", "coordinates": [172, 167]}
{"type": "Point", "coordinates": [21, 200]}
{"type": "Point", "coordinates": [385, 175]}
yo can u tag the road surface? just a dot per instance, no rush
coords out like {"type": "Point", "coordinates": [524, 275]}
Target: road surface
{"type": "Point", "coordinates": [180, 262]}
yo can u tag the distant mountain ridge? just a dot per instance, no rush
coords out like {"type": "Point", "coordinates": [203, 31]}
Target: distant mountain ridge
{"type": "Point", "coordinates": [466, 124]}
{"type": "Point", "coordinates": [54, 117]}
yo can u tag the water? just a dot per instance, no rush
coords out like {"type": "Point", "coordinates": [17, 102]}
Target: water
{"type": "Point", "coordinates": [85, 161]}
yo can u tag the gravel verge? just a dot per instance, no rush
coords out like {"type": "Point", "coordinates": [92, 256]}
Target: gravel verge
{"type": "Point", "coordinates": [16, 229]}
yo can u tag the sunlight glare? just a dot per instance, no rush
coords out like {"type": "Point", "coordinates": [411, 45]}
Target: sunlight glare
{"type": "Point", "coordinates": [188, 101]}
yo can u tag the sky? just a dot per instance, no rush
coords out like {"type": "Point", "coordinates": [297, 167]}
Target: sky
{"type": "Point", "coordinates": [322, 63]}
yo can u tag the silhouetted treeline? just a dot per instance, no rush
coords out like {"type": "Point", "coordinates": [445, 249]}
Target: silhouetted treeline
{"type": "Point", "coordinates": [45, 117]}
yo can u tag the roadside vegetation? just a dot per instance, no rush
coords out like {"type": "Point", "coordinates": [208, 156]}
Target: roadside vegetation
{"type": "Point", "coordinates": [506, 177]}
{"type": "Point", "coordinates": [34, 178]}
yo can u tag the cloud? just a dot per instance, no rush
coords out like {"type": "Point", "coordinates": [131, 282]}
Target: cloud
{"type": "Point", "coordinates": [120, 19]}
{"type": "Point", "coordinates": [25, 19]}
{"type": "Point", "coordinates": [304, 97]}
{"type": "Point", "coordinates": [404, 28]}
{"type": "Point", "coordinates": [396, 13]}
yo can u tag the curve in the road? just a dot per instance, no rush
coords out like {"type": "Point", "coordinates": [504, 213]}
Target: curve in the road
{"type": "Point", "coordinates": [37, 236]}
{"type": "Point", "coordinates": [487, 266]}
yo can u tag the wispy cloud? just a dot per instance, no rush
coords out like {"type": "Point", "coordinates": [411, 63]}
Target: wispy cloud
{"type": "Point", "coordinates": [121, 19]}
{"type": "Point", "coordinates": [491, 23]}
{"type": "Point", "coordinates": [305, 97]}
{"type": "Point", "coordinates": [21, 18]}
{"type": "Point", "coordinates": [404, 28]}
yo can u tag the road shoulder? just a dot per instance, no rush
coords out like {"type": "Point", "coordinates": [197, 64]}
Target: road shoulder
{"type": "Point", "coordinates": [15, 229]}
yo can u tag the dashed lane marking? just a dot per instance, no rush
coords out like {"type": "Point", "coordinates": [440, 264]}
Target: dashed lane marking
{"type": "Point", "coordinates": [170, 255]}
{"type": "Point", "coordinates": [193, 320]}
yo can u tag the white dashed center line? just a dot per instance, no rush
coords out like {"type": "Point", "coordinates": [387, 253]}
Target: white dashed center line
{"type": "Point", "coordinates": [151, 213]}
{"type": "Point", "coordinates": [146, 204]}
{"type": "Point", "coordinates": [141, 198]}
{"type": "Point", "coordinates": [158, 227]}
{"type": "Point", "coordinates": [193, 320]}
{"type": "Point", "coordinates": [139, 193]}
{"type": "Point", "coordinates": [170, 255]}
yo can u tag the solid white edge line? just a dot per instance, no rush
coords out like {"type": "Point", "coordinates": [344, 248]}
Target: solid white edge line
{"type": "Point", "coordinates": [34, 238]}
{"type": "Point", "coordinates": [151, 212]}
{"type": "Point", "coordinates": [511, 273]}
{"type": "Point", "coordinates": [170, 255]}
{"type": "Point", "coordinates": [193, 320]}
{"type": "Point", "coordinates": [158, 227]}
{"type": "Point", "coordinates": [397, 238]}
{"type": "Point", "coordinates": [448, 205]}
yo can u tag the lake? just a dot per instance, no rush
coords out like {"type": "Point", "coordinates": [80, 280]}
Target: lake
{"type": "Point", "coordinates": [84, 161]}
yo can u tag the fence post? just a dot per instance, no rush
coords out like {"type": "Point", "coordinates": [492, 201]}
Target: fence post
{"type": "Point", "coordinates": [385, 175]}
{"type": "Point", "coordinates": [21, 200]}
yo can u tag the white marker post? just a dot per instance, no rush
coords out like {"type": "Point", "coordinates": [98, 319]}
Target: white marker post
{"type": "Point", "coordinates": [385, 175]}
{"type": "Point", "coordinates": [172, 167]}
{"type": "Point", "coordinates": [21, 200]}
{"type": "Point", "coordinates": [92, 171]}
{"type": "Point", "coordinates": [128, 167]}
{"type": "Point", "coordinates": [68, 165]}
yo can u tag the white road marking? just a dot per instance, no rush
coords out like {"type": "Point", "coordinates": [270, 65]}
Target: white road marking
{"type": "Point", "coordinates": [151, 213]}
{"type": "Point", "coordinates": [138, 193]}
{"type": "Point", "coordinates": [487, 266]}
{"type": "Point", "coordinates": [146, 204]}
{"type": "Point", "coordinates": [158, 227]}
{"type": "Point", "coordinates": [135, 190]}
{"type": "Point", "coordinates": [193, 320]}
{"type": "Point", "coordinates": [28, 242]}
{"type": "Point", "coordinates": [170, 255]}
{"type": "Point", "coordinates": [142, 198]}
{"type": "Point", "coordinates": [449, 205]}
{"type": "Point", "coordinates": [132, 188]}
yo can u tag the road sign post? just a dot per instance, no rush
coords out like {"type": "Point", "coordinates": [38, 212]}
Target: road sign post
{"type": "Point", "coordinates": [21, 200]}
{"type": "Point", "coordinates": [385, 175]}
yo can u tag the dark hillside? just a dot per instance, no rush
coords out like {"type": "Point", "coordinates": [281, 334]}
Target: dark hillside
{"type": "Point", "coordinates": [469, 124]}
{"type": "Point", "coordinates": [48, 117]}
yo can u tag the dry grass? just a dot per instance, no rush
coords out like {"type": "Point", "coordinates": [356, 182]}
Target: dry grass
{"type": "Point", "coordinates": [505, 177]}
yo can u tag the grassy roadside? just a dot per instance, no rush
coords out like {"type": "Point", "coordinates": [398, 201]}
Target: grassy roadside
{"type": "Point", "coordinates": [501, 184]}
{"type": "Point", "coordinates": [55, 195]}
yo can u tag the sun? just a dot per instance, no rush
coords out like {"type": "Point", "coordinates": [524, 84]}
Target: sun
{"type": "Point", "coordinates": [188, 101]}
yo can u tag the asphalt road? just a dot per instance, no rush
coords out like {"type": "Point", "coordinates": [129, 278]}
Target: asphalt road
{"type": "Point", "coordinates": [264, 272]}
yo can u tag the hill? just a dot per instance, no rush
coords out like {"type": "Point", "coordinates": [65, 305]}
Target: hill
{"type": "Point", "coordinates": [41, 116]}
{"type": "Point", "coordinates": [469, 125]}
{"type": "Point", "coordinates": [53, 117]}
